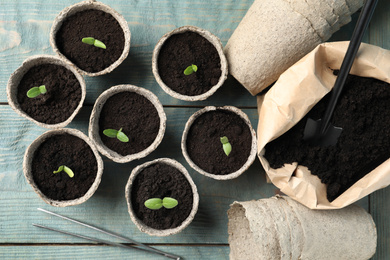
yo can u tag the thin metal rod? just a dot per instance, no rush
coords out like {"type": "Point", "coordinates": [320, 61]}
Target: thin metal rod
{"type": "Point", "coordinates": [150, 249]}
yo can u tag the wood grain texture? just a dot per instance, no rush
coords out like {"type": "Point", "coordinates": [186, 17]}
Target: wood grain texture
{"type": "Point", "coordinates": [105, 252]}
{"type": "Point", "coordinates": [379, 35]}
{"type": "Point", "coordinates": [107, 208]}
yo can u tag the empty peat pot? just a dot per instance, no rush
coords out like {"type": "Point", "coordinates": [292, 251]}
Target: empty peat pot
{"type": "Point", "coordinates": [47, 162]}
{"type": "Point", "coordinates": [136, 113]}
{"type": "Point", "coordinates": [181, 48]}
{"type": "Point", "coordinates": [281, 228]}
{"type": "Point", "coordinates": [63, 96]}
{"type": "Point", "coordinates": [91, 19]}
{"type": "Point", "coordinates": [202, 145]}
{"type": "Point", "coordinates": [161, 178]}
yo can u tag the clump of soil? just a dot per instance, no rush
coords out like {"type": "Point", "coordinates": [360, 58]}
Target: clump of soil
{"type": "Point", "coordinates": [61, 99]}
{"type": "Point", "coordinates": [137, 117]}
{"type": "Point", "coordinates": [158, 181]}
{"type": "Point", "coordinates": [204, 146]}
{"type": "Point", "coordinates": [91, 23]}
{"type": "Point", "coordinates": [182, 50]}
{"type": "Point", "coordinates": [69, 150]}
{"type": "Point", "coordinates": [363, 113]}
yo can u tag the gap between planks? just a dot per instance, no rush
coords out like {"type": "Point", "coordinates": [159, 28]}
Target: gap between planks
{"type": "Point", "coordinates": [100, 244]}
{"type": "Point", "coordinates": [167, 106]}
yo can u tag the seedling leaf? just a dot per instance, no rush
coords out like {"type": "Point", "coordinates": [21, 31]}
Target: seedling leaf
{"type": "Point", "coordinates": [36, 91]}
{"type": "Point", "coordinates": [110, 133]}
{"type": "Point", "coordinates": [99, 44]}
{"type": "Point", "coordinates": [66, 169]}
{"type": "Point", "coordinates": [169, 203]}
{"type": "Point", "coordinates": [154, 203]}
{"type": "Point", "coordinates": [93, 41]}
{"type": "Point", "coordinates": [190, 69]}
{"type": "Point", "coordinates": [227, 147]}
{"type": "Point", "coordinates": [88, 40]}
{"type": "Point", "coordinates": [122, 137]}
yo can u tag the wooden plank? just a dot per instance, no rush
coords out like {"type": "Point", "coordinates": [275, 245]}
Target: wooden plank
{"type": "Point", "coordinates": [379, 201]}
{"type": "Point", "coordinates": [107, 208]}
{"type": "Point", "coordinates": [106, 252]}
{"type": "Point", "coordinates": [25, 27]}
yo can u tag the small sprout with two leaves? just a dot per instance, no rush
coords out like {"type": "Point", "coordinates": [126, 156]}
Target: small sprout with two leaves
{"type": "Point", "coordinates": [157, 203]}
{"type": "Point", "coordinates": [65, 169]}
{"type": "Point", "coordinates": [116, 134]}
{"type": "Point", "coordinates": [190, 69]}
{"type": "Point", "coordinates": [94, 42]}
{"type": "Point", "coordinates": [227, 147]}
{"type": "Point", "coordinates": [36, 91]}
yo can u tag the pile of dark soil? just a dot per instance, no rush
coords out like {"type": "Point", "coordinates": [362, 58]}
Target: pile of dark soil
{"type": "Point", "coordinates": [363, 112]}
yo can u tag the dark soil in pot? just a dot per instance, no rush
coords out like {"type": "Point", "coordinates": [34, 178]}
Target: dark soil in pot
{"type": "Point", "coordinates": [137, 117]}
{"type": "Point", "coordinates": [182, 50]}
{"type": "Point", "coordinates": [363, 112]}
{"type": "Point", "coordinates": [158, 181]}
{"type": "Point", "coordinates": [61, 99]}
{"type": "Point", "coordinates": [91, 23]}
{"type": "Point", "coordinates": [69, 150]}
{"type": "Point", "coordinates": [204, 146]}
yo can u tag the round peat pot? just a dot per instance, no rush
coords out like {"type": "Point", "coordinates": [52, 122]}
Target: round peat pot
{"type": "Point", "coordinates": [63, 147]}
{"type": "Point", "coordinates": [202, 146]}
{"type": "Point", "coordinates": [173, 181]}
{"type": "Point", "coordinates": [64, 97]}
{"type": "Point", "coordinates": [181, 48]}
{"type": "Point", "coordinates": [135, 111]}
{"type": "Point", "coordinates": [91, 19]}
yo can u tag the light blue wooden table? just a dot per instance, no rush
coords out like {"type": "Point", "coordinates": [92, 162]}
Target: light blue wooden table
{"type": "Point", "coordinates": [24, 31]}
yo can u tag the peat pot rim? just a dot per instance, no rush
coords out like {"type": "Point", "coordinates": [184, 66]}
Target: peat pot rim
{"type": "Point", "coordinates": [252, 154]}
{"type": "Point", "coordinates": [164, 232]}
{"type": "Point", "coordinates": [88, 5]}
{"type": "Point", "coordinates": [93, 130]}
{"type": "Point", "coordinates": [18, 74]}
{"type": "Point", "coordinates": [214, 40]}
{"type": "Point", "coordinates": [29, 155]}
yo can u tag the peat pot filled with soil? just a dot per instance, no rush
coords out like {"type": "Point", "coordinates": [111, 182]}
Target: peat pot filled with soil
{"type": "Point", "coordinates": [161, 196]}
{"type": "Point", "coordinates": [63, 167]}
{"type": "Point", "coordinates": [219, 142]}
{"type": "Point", "coordinates": [46, 91]}
{"type": "Point", "coordinates": [91, 36]}
{"type": "Point", "coordinates": [127, 123]}
{"type": "Point", "coordinates": [189, 63]}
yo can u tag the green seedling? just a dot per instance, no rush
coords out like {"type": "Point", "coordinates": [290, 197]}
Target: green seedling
{"type": "Point", "coordinates": [190, 69]}
{"type": "Point", "coordinates": [36, 91]}
{"type": "Point", "coordinates": [227, 147]}
{"type": "Point", "coordinates": [94, 42]}
{"type": "Point", "coordinates": [116, 134]}
{"type": "Point", "coordinates": [65, 169]}
{"type": "Point", "coordinates": [157, 203]}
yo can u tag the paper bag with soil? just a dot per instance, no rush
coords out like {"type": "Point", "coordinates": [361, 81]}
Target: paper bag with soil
{"type": "Point", "coordinates": [281, 228]}
{"type": "Point", "coordinates": [274, 34]}
{"type": "Point", "coordinates": [298, 90]}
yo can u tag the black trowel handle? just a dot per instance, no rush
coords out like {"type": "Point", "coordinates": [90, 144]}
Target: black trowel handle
{"type": "Point", "coordinates": [361, 26]}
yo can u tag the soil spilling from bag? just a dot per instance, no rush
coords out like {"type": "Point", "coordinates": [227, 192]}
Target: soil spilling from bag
{"type": "Point", "coordinates": [68, 150]}
{"type": "Point", "coordinates": [183, 50]}
{"type": "Point", "coordinates": [61, 99]}
{"type": "Point", "coordinates": [204, 145]}
{"type": "Point", "coordinates": [363, 113]}
{"type": "Point", "coordinates": [158, 181]}
{"type": "Point", "coordinates": [137, 117]}
{"type": "Point", "coordinates": [91, 23]}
